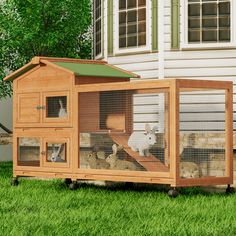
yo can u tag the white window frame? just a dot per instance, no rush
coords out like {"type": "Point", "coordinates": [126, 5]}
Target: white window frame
{"type": "Point", "coordinates": [184, 30]}
{"type": "Point", "coordinates": [100, 55]}
{"type": "Point", "coordinates": [148, 46]}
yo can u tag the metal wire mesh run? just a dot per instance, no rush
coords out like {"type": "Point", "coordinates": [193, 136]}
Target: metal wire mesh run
{"type": "Point", "coordinates": [202, 134]}
{"type": "Point", "coordinates": [124, 130]}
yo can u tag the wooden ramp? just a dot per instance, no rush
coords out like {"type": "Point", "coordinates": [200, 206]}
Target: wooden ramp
{"type": "Point", "coordinates": [150, 163]}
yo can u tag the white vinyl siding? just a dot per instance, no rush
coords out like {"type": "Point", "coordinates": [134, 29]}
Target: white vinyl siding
{"type": "Point", "coordinates": [204, 64]}
{"type": "Point", "coordinates": [6, 119]}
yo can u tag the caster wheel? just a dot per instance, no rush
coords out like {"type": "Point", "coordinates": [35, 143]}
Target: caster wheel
{"type": "Point", "coordinates": [173, 193]}
{"type": "Point", "coordinates": [229, 190]}
{"type": "Point", "coordinates": [67, 181]}
{"type": "Point", "coordinates": [72, 185]}
{"type": "Point", "coordinates": [14, 181]}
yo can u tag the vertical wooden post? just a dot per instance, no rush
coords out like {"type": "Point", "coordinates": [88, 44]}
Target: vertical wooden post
{"type": "Point", "coordinates": [229, 133]}
{"type": "Point", "coordinates": [174, 131]}
{"type": "Point", "coordinates": [14, 136]}
{"type": "Point", "coordinates": [75, 140]}
{"type": "Point", "coordinates": [167, 128]}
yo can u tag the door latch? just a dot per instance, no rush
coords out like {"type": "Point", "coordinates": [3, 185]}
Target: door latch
{"type": "Point", "coordinates": [40, 107]}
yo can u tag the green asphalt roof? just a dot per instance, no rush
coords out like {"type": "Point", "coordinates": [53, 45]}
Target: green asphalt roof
{"type": "Point", "coordinates": [98, 70]}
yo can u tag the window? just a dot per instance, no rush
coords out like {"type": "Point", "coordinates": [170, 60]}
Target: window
{"type": "Point", "coordinates": [208, 22]}
{"type": "Point", "coordinates": [132, 25]}
{"type": "Point", "coordinates": [97, 27]}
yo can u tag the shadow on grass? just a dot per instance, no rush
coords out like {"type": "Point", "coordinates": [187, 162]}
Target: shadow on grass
{"type": "Point", "coordinates": [58, 185]}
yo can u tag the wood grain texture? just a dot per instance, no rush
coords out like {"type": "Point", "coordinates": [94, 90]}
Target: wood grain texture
{"type": "Point", "coordinates": [150, 163]}
{"type": "Point", "coordinates": [84, 107]}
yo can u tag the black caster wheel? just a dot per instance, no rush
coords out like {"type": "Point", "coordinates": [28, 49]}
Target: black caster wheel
{"type": "Point", "coordinates": [67, 181]}
{"type": "Point", "coordinates": [14, 181]}
{"type": "Point", "coordinates": [173, 193]}
{"type": "Point", "coordinates": [229, 190]}
{"type": "Point", "coordinates": [73, 185]}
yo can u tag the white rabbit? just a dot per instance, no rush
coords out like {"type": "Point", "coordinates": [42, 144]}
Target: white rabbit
{"type": "Point", "coordinates": [142, 142]}
{"type": "Point", "coordinates": [62, 112]}
{"type": "Point", "coordinates": [55, 156]}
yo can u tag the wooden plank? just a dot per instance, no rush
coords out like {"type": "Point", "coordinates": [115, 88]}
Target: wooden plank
{"type": "Point", "coordinates": [229, 133]}
{"type": "Point", "coordinates": [125, 173]}
{"type": "Point", "coordinates": [174, 131]}
{"type": "Point", "coordinates": [204, 84]}
{"type": "Point", "coordinates": [63, 175]}
{"type": "Point", "coordinates": [124, 86]}
{"type": "Point", "coordinates": [150, 163]}
{"type": "Point", "coordinates": [206, 181]}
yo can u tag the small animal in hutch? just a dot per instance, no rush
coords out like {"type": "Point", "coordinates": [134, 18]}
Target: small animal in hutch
{"type": "Point", "coordinates": [117, 164]}
{"type": "Point", "coordinates": [142, 142]}
{"type": "Point", "coordinates": [62, 111]}
{"type": "Point", "coordinates": [55, 156]}
{"type": "Point", "coordinates": [95, 162]}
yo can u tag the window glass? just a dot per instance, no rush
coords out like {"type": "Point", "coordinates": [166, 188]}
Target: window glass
{"type": "Point", "coordinates": [56, 107]}
{"type": "Point", "coordinates": [98, 27]}
{"type": "Point", "coordinates": [209, 21]}
{"type": "Point", "coordinates": [132, 23]}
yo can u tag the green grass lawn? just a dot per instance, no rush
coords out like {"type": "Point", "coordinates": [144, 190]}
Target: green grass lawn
{"type": "Point", "coordinates": [38, 207]}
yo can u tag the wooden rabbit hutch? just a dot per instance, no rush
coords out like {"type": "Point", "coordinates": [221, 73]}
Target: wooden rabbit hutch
{"type": "Point", "coordinates": [84, 120]}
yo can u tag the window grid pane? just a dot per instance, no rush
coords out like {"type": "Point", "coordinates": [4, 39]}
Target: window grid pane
{"type": "Point", "coordinates": [132, 23]}
{"type": "Point", "coordinates": [209, 21]}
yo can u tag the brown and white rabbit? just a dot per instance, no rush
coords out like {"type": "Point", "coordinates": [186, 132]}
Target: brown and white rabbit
{"type": "Point", "coordinates": [95, 162]}
{"type": "Point", "coordinates": [117, 164]}
{"type": "Point", "coordinates": [142, 142]}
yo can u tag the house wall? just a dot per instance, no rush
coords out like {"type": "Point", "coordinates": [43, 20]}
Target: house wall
{"type": "Point", "coordinates": [206, 64]}
{"type": "Point", "coordinates": [6, 119]}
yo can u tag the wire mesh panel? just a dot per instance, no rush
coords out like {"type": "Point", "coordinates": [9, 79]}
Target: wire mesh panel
{"type": "Point", "coordinates": [202, 134]}
{"type": "Point", "coordinates": [124, 130]}
{"type": "Point", "coordinates": [28, 151]}
{"type": "Point", "coordinates": [56, 152]}
{"type": "Point", "coordinates": [56, 107]}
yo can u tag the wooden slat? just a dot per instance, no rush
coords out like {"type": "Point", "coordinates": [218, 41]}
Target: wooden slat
{"type": "Point", "coordinates": [229, 133]}
{"type": "Point", "coordinates": [150, 163]}
{"type": "Point", "coordinates": [157, 84]}
{"type": "Point", "coordinates": [206, 181]}
{"type": "Point", "coordinates": [63, 175]}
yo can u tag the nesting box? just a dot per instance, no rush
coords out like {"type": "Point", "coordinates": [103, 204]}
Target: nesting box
{"type": "Point", "coordinates": [79, 119]}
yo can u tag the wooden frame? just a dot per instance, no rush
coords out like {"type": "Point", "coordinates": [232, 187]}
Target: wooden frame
{"type": "Point", "coordinates": [68, 130]}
